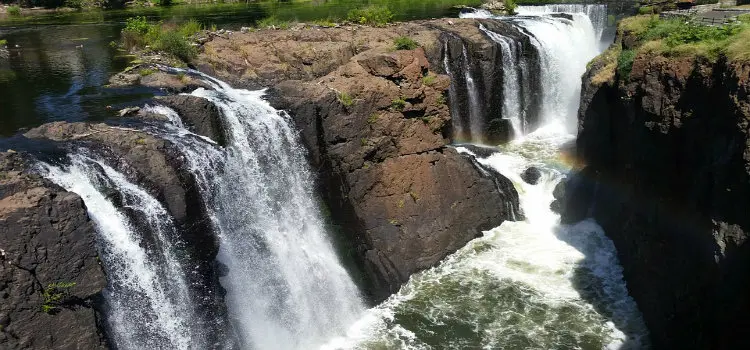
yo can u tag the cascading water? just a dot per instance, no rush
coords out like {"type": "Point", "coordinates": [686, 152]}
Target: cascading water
{"type": "Point", "coordinates": [286, 288]}
{"type": "Point", "coordinates": [527, 284]}
{"type": "Point", "coordinates": [512, 108]}
{"type": "Point", "coordinates": [475, 116]}
{"type": "Point", "coordinates": [149, 303]}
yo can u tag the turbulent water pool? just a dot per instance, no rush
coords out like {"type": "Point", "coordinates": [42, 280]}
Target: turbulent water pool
{"type": "Point", "coordinates": [528, 284]}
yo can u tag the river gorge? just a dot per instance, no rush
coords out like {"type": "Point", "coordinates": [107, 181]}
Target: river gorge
{"type": "Point", "coordinates": [502, 185]}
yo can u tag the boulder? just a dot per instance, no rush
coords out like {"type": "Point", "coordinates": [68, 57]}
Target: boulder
{"type": "Point", "coordinates": [531, 175]}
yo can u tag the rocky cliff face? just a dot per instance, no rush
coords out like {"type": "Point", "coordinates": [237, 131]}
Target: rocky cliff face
{"type": "Point", "coordinates": [46, 240]}
{"type": "Point", "coordinates": [668, 163]}
{"type": "Point", "coordinates": [377, 124]}
{"type": "Point", "coordinates": [158, 167]}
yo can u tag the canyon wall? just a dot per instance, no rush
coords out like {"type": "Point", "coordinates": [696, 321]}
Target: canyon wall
{"type": "Point", "coordinates": [667, 160]}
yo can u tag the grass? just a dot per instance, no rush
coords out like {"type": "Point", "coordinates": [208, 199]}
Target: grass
{"type": "Point", "coordinates": [274, 23]}
{"type": "Point", "coordinates": [146, 72]}
{"type": "Point", "coordinates": [3, 42]}
{"type": "Point", "coordinates": [325, 23]}
{"type": "Point", "coordinates": [55, 295]}
{"type": "Point", "coordinates": [429, 79]}
{"type": "Point", "coordinates": [14, 11]}
{"type": "Point", "coordinates": [398, 104]}
{"type": "Point", "coordinates": [405, 43]}
{"type": "Point", "coordinates": [345, 99]}
{"type": "Point", "coordinates": [679, 38]}
{"type": "Point", "coordinates": [172, 39]}
{"type": "Point", "coordinates": [510, 6]}
{"type": "Point", "coordinates": [373, 118]}
{"type": "Point", "coordinates": [377, 16]}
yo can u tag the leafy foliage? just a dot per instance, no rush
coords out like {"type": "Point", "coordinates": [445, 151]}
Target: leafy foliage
{"type": "Point", "coordinates": [405, 43]}
{"type": "Point", "coordinates": [273, 22]}
{"type": "Point", "coordinates": [373, 15]}
{"type": "Point", "coordinates": [139, 33]}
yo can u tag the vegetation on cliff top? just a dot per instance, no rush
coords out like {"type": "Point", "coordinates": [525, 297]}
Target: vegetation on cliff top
{"type": "Point", "coordinates": [680, 38]}
{"type": "Point", "coordinates": [650, 35]}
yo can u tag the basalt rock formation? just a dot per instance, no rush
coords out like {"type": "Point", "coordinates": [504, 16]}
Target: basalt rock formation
{"type": "Point", "coordinates": [377, 123]}
{"type": "Point", "coordinates": [46, 239]}
{"type": "Point", "coordinates": [158, 167]}
{"type": "Point", "coordinates": [668, 178]}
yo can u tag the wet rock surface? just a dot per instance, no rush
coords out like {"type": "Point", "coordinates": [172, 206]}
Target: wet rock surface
{"type": "Point", "coordinates": [198, 114]}
{"type": "Point", "coordinates": [46, 238]}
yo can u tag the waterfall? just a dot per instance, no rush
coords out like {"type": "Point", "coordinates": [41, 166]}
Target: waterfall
{"type": "Point", "coordinates": [149, 302]}
{"type": "Point", "coordinates": [286, 288]}
{"type": "Point", "coordinates": [565, 44]}
{"type": "Point", "coordinates": [512, 91]}
{"type": "Point", "coordinates": [525, 284]}
{"type": "Point", "coordinates": [475, 108]}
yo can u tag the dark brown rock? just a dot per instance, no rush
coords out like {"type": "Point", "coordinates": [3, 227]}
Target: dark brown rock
{"type": "Point", "coordinates": [46, 237]}
{"type": "Point", "coordinates": [405, 198]}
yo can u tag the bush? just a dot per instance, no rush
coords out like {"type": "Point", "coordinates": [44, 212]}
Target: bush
{"type": "Point", "coordinates": [173, 40]}
{"type": "Point", "coordinates": [645, 10]}
{"type": "Point", "coordinates": [398, 104]}
{"type": "Point", "coordinates": [405, 43]}
{"type": "Point", "coordinates": [176, 44]}
{"type": "Point", "coordinates": [625, 63]}
{"type": "Point", "coordinates": [373, 15]}
{"type": "Point", "coordinates": [14, 11]}
{"type": "Point", "coordinates": [3, 42]}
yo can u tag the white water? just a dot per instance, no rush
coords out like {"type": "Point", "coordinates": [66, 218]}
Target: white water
{"type": "Point", "coordinates": [526, 284]}
{"type": "Point", "coordinates": [169, 113]}
{"type": "Point", "coordinates": [286, 287]}
{"type": "Point", "coordinates": [512, 107]}
{"type": "Point", "coordinates": [565, 46]}
{"type": "Point", "coordinates": [475, 115]}
{"type": "Point", "coordinates": [149, 303]}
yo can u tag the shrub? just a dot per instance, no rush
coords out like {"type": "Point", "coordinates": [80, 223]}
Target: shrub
{"type": "Point", "coordinates": [373, 15]}
{"type": "Point", "coordinates": [176, 44]}
{"type": "Point", "coordinates": [405, 43]}
{"type": "Point", "coordinates": [3, 42]}
{"type": "Point", "coordinates": [146, 72]}
{"type": "Point", "coordinates": [14, 11]}
{"type": "Point", "coordinates": [173, 40]}
{"type": "Point", "coordinates": [625, 63]}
